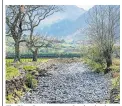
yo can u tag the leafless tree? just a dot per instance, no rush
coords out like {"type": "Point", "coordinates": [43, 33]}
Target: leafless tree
{"type": "Point", "coordinates": [37, 42]}
{"type": "Point", "coordinates": [25, 18]}
{"type": "Point", "coordinates": [33, 20]}
{"type": "Point", "coordinates": [14, 18]}
{"type": "Point", "coordinates": [103, 25]}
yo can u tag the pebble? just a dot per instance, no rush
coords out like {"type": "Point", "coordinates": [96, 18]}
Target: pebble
{"type": "Point", "coordinates": [70, 83]}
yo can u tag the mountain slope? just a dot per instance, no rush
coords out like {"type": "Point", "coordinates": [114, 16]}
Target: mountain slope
{"type": "Point", "coordinates": [62, 23]}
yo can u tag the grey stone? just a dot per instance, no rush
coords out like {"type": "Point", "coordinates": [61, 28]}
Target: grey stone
{"type": "Point", "coordinates": [70, 82]}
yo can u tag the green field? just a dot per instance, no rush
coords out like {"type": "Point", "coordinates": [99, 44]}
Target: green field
{"type": "Point", "coordinates": [10, 61]}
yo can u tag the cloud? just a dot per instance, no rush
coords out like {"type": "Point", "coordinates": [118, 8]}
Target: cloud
{"type": "Point", "coordinates": [85, 7]}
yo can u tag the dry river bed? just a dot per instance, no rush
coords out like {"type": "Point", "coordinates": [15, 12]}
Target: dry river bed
{"type": "Point", "coordinates": [70, 83]}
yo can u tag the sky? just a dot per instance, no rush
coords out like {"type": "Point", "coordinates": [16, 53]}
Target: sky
{"type": "Point", "coordinates": [58, 16]}
{"type": "Point", "coordinates": [85, 7]}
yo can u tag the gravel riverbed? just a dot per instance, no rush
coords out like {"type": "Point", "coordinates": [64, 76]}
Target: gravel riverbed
{"type": "Point", "coordinates": [70, 83]}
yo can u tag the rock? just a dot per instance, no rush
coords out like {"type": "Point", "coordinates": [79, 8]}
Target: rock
{"type": "Point", "coordinates": [71, 82]}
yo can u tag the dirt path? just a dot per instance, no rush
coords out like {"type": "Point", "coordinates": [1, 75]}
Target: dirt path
{"type": "Point", "coordinates": [70, 83]}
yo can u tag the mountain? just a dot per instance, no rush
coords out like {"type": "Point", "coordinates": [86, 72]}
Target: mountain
{"type": "Point", "coordinates": [81, 26]}
{"type": "Point", "coordinates": [62, 23]}
{"type": "Point", "coordinates": [69, 24]}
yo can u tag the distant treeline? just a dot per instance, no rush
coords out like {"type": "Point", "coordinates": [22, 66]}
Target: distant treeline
{"type": "Point", "coordinates": [69, 55]}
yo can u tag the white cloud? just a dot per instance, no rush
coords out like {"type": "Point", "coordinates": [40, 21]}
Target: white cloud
{"type": "Point", "coordinates": [85, 7]}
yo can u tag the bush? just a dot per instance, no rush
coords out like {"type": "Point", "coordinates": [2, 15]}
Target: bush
{"type": "Point", "coordinates": [30, 81]}
{"type": "Point", "coordinates": [97, 67]}
{"type": "Point", "coordinates": [29, 68]}
{"type": "Point", "coordinates": [11, 72]}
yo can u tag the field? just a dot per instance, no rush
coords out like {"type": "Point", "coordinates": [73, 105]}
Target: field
{"type": "Point", "coordinates": [9, 61]}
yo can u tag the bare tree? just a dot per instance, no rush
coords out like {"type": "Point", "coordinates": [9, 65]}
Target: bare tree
{"type": "Point", "coordinates": [25, 18]}
{"type": "Point", "coordinates": [14, 18]}
{"type": "Point", "coordinates": [103, 25]}
{"type": "Point", "coordinates": [33, 20]}
{"type": "Point", "coordinates": [37, 42]}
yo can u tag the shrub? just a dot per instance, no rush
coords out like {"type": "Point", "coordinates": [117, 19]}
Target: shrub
{"type": "Point", "coordinates": [97, 67]}
{"type": "Point", "coordinates": [30, 81]}
{"type": "Point", "coordinates": [11, 72]}
{"type": "Point", "coordinates": [29, 68]}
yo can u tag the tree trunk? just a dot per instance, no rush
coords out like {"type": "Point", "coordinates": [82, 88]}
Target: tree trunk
{"type": "Point", "coordinates": [17, 52]}
{"type": "Point", "coordinates": [35, 55]}
{"type": "Point", "coordinates": [108, 63]}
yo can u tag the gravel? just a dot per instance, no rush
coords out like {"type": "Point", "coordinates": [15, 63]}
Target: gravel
{"type": "Point", "coordinates": [70, 83]}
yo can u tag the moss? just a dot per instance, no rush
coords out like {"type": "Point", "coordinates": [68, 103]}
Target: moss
{"type": "Point", "coordinates": [11, 72]}
{"type": "Point", "coordinates": [29, 68]}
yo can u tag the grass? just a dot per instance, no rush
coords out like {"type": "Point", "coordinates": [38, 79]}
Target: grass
{"type": "Point", "coordinates": [10, 61]}
{"type": "Point", "coordinates": [11, 72]}
{"type": "Point", "coordinates": [116, 61]}
{"type": "Point", "coordinates": [14, 97]}
{"type": "Point", "coordinates": [116, 85]}
{"type": "Point", "coordinates": [116, 76]}
{"type": "Point", "coordinates": [115, 65]}
{"type": "Point", "coordinates": [30, 82]}
{"type": "Point", "coordinates": [29, 68]}
{"type": "Point", "coordinates": [115, 81]}
{"type": "Point", "coordinates": [97, 67]}
{"type": "Point", "coordinates": [12, 68]}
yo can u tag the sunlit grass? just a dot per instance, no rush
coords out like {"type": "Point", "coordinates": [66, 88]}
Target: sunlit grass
{"type": "Point", "coordinates": [29, 68]}
{"type": "Point", "coordinates": [11, 72]}
{"type": "Point", "coordinates": [116, 61]}
{"type": "Point", "coordinates": [115, 64]}
{"type": "Point", "coordinates": [97, 67]}
{"type": "Point", "coordinates": [115, 81]}
{"type": "Point", "coordinates": [9, 61]}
